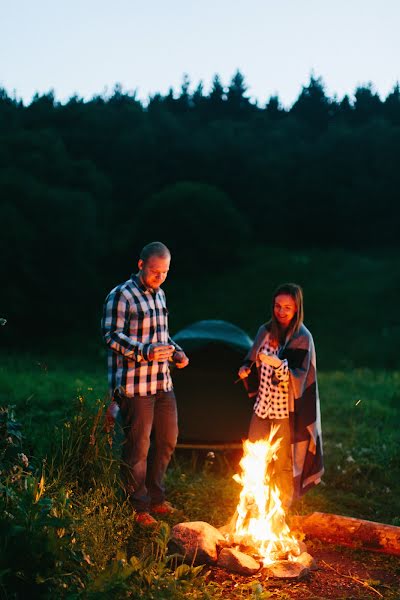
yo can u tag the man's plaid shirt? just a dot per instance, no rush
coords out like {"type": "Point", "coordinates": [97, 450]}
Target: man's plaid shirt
{"type": "Point", "coordinates": [133, 319]}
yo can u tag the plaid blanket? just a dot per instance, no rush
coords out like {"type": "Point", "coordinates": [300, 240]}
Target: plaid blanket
{"type": "Point", "coordinates": [304, 409]}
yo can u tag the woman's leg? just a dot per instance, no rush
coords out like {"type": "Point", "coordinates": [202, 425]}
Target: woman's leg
{"type": "Point", "coordinates": [283, 471]}
{"type": "Point", "coordinates": [259, 428]}
{"type": "Point", "coordinates": [283, 465]}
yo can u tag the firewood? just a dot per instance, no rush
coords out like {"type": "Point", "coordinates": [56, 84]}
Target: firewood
{"type": "Point", "coordinates": [347, 531]}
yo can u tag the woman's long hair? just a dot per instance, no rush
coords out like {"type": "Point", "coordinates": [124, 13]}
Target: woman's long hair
{"type": "Point", "coordinates": [278, 335]}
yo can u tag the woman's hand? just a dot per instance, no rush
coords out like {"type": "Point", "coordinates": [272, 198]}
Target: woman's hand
{"type": "Point", "coordinates": [269, 359]}
{"type": "Point", "coordinates": [244, 372]}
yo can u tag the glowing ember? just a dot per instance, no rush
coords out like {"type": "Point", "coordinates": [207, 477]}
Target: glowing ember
{"type": "Point", "coordinates": [260, 524]}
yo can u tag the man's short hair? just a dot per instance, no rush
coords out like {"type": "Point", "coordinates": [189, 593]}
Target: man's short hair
{"type": "Point", "coordinates": [154, 249]}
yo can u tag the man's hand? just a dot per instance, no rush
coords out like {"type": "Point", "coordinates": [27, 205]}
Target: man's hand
{"type": "Point", "coordinates": [160, 352]}
{"type": "Point", "coordinates": [180, 359]}
{"type": "Point", "coordinates": [268, 359]}
{"type": "Point", "coordinates": [244, 372]}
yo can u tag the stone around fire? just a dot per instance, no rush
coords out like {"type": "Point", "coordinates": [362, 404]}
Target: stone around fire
{"type": "Point", "coordinates": [196, 541]}
{"type": "Point", "coordinates": [285, 569]}
{"type": "Point", "coordinates": [307, 560]}
{"type": "Point", "coordinates": [237, 562]}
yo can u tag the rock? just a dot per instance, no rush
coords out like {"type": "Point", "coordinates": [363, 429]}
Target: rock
{"type": "Point", "coordinates": [197, 542]}
{"type": "Point", "coordinates": [307, 561]}
{"type": "Point", "coordinates": [237, 562]}
{"type": "Point", "coordinates": [286, 569]}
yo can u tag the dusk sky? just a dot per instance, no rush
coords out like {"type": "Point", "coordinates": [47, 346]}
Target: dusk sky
{"type": "Point", "coordinates": [87, 46]}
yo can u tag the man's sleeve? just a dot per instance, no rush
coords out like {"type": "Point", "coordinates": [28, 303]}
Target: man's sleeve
{"type": "Point", "coordinates": [115, 326]}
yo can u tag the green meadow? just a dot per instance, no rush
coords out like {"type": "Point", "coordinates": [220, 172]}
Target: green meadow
{"type": "Point", "coordinates": [67, 529]}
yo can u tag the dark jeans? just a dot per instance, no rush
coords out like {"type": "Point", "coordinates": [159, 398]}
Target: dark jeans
{"type": "Point", "coordinates": [283, 470]}
{"type": "Point", "coordinates": [143, 472]}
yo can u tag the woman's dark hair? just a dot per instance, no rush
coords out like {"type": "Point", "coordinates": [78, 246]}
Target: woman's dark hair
{"type": "Point", "coordinates": [295, 291]}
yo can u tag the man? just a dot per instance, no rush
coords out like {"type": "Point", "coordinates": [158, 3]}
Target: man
{"type": "Point", "coordinates": [135, 329]}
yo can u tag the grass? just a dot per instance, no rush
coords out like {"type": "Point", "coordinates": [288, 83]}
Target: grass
{"type": "Point", "coordinates": [46, 392]}
{"type": "Point", "coordinates": [61, 408]}
{"type": "Point", "coordinates": [360, 411]}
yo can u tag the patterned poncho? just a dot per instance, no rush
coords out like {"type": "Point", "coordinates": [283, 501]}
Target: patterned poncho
{"type": "Point", "coordinates": [304, 409]}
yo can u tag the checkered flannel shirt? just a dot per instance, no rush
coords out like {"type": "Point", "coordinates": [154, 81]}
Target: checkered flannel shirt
{"type": "Point", "coordinates": [272, 400]}
{"type": "Point", "coordinates": [133, 319]}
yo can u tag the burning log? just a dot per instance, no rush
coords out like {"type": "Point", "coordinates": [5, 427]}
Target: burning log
{"type": "Point", "coordinates": [347, 531]}
{"type": "Point", "coordinates": [259, 521]}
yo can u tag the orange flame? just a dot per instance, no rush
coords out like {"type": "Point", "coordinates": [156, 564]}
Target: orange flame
{"type": "Point", "coordinates": [260, 522]}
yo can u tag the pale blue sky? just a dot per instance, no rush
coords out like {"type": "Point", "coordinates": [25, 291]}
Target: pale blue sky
{"type": "Point", "coordinates": [85, 46]}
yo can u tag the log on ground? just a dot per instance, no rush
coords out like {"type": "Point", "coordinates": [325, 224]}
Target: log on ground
{"type": "Point", "coordinates": [348, 531]}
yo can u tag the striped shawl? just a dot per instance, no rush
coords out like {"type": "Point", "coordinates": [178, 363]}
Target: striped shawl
{"type": "Point", "coordinates": [304, 409]}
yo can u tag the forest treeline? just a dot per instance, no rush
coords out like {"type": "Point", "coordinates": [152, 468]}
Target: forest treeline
{"type": "Point", "coordinates": [83, 184]}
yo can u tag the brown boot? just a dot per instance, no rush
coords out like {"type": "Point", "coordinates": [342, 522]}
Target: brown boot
{"type": "Point", "coordinates": [164, 508]}
{"type": "Point", "coordinates": [145, 519]}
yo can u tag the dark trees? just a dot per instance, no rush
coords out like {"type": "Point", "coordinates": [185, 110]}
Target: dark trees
{"type": "Point", "coordinates": [83, 185]}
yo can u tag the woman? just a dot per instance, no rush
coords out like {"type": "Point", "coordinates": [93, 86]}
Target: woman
{"type": "Point", "coordinates": [287, 393]}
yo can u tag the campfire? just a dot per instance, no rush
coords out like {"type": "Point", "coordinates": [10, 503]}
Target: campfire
{"type": "Point", "coordinates": [259, 524]}
{"type": "Point", "coordinates": [258, 536]}
{"type": "Point", "coordinates": [258, 540]}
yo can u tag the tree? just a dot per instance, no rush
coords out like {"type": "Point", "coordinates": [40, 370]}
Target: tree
{"type": "Point", "coordinates": [10, 110]}
{"type": "Point", "coordinates": [41, 110]}
{"type": "Point", "coordinates": [274, 109]}
{"type": "Point", "coordinates": [391, 106]}
{"type": "Point", "coordinates": [345, 110]}
{"type": "Point", "coordinates": [198, 98]}
{"type": "Point", "coordinates": [367, 104]}
{"type": "Point", "coordinates": [313, 106]}
{"type": "Point", "coordinates": [236, 102]}
{"type": "Point", "coordinates": [216, 98]}
{"type": "Point", "coordinates": [184, 102]}
{"type": "Point", "coordinates": [195, 220]}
